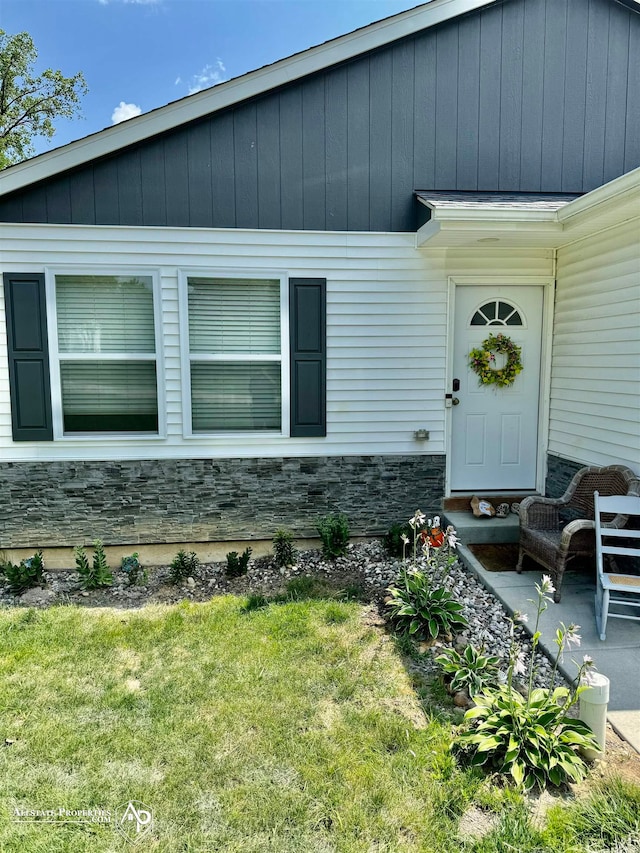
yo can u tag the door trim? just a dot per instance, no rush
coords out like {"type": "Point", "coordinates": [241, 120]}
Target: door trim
{"type": "Point", "coordinates": [548, 285]}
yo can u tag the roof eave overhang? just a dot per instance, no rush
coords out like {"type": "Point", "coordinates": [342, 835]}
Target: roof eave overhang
{"type": "Point", "coordinates": [609, 205]}
{"type": "Point", "coordinates": [252, 84]}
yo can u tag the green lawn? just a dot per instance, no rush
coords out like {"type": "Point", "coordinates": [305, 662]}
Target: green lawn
{"type": "Point", "coordinates": [293, 727]}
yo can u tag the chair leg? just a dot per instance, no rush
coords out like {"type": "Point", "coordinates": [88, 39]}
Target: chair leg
{"type": "Point", "coordinates": [602, 611]}
{"type": "Point", "coordinates": [557, 577]}
{"type": "Point", "coordinates": [519, 563]}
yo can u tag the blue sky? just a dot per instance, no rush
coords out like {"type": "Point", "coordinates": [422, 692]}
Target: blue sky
{"type": "Point", "coordinates": [137, 55]}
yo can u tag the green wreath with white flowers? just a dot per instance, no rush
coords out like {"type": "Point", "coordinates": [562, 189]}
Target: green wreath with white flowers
{"type": "Point", "coordinates": [482, 359]}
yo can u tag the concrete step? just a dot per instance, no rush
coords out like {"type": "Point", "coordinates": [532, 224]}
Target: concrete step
{"type": "Point", "coordinates": [472, 530]}
{"type": "Point", "coordinates": [459, 501]}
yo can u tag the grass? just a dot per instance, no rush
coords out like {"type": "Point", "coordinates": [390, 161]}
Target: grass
{"type": "Point", "coordinates": [266, 727]}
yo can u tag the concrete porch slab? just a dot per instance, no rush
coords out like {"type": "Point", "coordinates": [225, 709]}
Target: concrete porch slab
{"type": "Point", "coordinates": [618, 657]}
{"type": "Point", "coordinates": [475, 531]}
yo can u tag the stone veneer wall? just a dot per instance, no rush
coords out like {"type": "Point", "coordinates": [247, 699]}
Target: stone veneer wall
{"type": "Point", "coordinates": [47, 504]}
{"type": "Point", "coordinates": [560, 472]}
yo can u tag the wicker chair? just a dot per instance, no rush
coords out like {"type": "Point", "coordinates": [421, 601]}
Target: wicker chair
{"type": "Point", "coordinates": [554, 531]}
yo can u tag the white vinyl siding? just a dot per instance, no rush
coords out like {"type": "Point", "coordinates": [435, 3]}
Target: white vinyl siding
{"type": "Point", "coordinates": [595, 386]}
{"type": "Point", "coordinates": [386, 329]}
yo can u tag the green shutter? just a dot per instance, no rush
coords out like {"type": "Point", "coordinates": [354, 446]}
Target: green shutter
{"type": "Point", "coordinates": [307, 318]}
{"type": "Point", "coordinates": [29, 383]}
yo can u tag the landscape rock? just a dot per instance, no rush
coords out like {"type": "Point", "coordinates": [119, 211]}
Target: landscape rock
{"type": "Point", "coordinates": [37, 597]}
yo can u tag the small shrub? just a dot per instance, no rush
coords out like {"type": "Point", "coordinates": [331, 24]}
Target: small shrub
{"type": "Point", "coordinates": [334, 533]}
{"type": "Point", "coordinates": [98, 574]}
{"type": "Point", "coordinates": [471, 670]}
{"type": "Point", "coordinates": [393, 542]}
{"type": "Point", "coordinates": [283, 550]}
{"type": "Point", "coordinates": [184, 565]}
{"type": "Point", "coordinates": [134, 571]}
{"type": "Point", "coordinates": [421, 611]}
{"type": "Point", "coordinates": [26, 574]}
{"type": "Point", "coordinates": [238, 565]}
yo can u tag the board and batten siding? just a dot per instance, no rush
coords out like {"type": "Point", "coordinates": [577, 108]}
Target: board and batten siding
{"type": "Point", "coordinates": [595, 384]}
{"type": "Point", "coordinates": [525, 95]}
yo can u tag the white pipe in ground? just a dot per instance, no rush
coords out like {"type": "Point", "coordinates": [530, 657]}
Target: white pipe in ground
{"type": "Point", "coordinates": [593, 711]}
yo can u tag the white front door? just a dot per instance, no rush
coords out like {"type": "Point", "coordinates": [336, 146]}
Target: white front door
{"type": "Point", "coordinates": [495, 430]}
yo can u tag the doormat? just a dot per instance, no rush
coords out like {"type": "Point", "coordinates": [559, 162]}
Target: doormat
{"type": "Point", "coordinates": [496, 558]}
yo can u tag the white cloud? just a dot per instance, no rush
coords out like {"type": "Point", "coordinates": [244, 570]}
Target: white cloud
{"type": "Point", "coordinates": [209, 76]}
{"type": "Point", "coordinates": [124, 111]}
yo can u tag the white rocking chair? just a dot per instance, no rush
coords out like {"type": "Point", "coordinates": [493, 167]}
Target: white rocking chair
{"type": "Point", "coordinates": [614, 542]}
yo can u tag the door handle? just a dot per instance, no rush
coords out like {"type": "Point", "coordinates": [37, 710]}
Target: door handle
{"type": "Point", "coordinates": [455, 401]}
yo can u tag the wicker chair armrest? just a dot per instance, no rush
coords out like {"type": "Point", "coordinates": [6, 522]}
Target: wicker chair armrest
{"type": "Point", "coordinates": [540, 513]}
{"type": "Point", "coordinates": [572, 532]}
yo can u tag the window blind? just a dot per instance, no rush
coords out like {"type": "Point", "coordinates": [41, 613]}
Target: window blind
{"type": "Point", "coordinates": [105, 396]}
{"type": "Point", "coordinates": [235, 396]}
{"type": "Point", "coordinates": [105, 314]}
{"type": "Point", "coordinates": [229, 316]}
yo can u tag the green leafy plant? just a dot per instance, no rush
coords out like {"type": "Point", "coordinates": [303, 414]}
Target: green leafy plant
{"type": "Point", "coordinates": [470, 669]}
{"type": "Point", "coordinates": [530, 738]}
{"type": "Point", "coordinates": [334, 533]}
{"type": "Point", "coordinates": [420, 610]}
{"type": "Point", "coordinates": [184, 565]}
{"type": "Point", "coordinates": [97, 574]}
{"type": "Point", "coordinates": [238, 565]}
{"type": "Point", "coordinates": [28, 573]}
{"type": "Point", "coordinates": [135, 573]}
{"type": "Point", "coordinates": [397, 538]}
{"type": "Point", "coordinates": [284, 552]}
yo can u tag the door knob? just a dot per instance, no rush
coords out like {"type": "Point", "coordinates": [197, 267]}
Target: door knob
{"type": "Point", "coordinates": [455, 401]}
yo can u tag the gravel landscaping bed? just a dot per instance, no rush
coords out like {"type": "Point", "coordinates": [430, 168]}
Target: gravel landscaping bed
{"type": "Point", "coordinates": [364, 573]}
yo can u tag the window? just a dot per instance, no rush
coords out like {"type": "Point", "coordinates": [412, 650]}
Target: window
{"type": "Point", "coordinates": [107, 353]}
{"type": "Point", "coordinates": [497, 313]}
{"type": "Point", "coordinates": [235, 354]}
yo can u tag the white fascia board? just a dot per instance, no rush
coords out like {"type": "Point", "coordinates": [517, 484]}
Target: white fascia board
{"type": "Point", "coordinates": [223, 95]}
{"type": "Point", "coordinates": [618, 192]}
{"type": "Point", "coordinates": [487, 214]}
{"type": "Point", "coordinates": [508, 229]}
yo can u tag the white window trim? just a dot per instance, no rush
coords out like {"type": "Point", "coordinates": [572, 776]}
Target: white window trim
{"type": "Point", "coordinates": [185, 355]}
{"type": "Point", "coordinates": [55, 355]}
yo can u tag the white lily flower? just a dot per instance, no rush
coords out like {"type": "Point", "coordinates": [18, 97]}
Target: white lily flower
{"type": "Point", "coordinates": [571, 637]}
{"type": "Point", "coordinates": [519, 666]}
{"type": "Point", "coordinates": [418, 519]}
{"type": "Point", "coordinates": [547, 586]}
{"type": "Point", "coordinates": [404, 538]}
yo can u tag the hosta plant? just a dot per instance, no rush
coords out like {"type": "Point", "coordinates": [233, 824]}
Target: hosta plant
{"type": "Point", "coordinates": [472, 669]}
{"type": "Point", "coordinates": [530, 738]}
{"type": "Point", "coordinates": [421, 610]}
